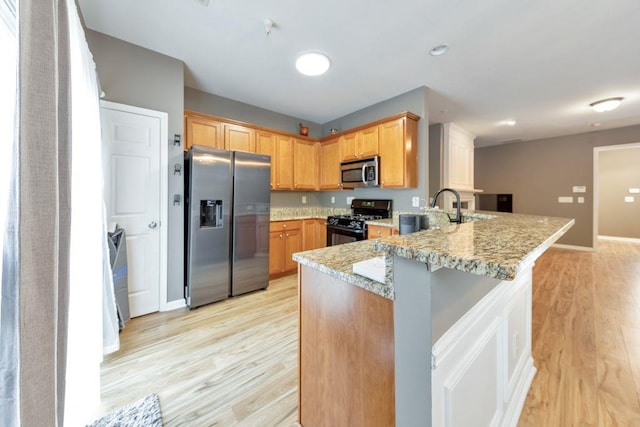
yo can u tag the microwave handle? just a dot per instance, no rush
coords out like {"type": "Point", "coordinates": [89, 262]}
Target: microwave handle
{"type": "Point", "coordinates": [364, 178]}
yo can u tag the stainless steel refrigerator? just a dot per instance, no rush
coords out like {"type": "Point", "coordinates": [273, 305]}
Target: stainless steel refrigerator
{"type": "Point", "coordinates": [226, 224]}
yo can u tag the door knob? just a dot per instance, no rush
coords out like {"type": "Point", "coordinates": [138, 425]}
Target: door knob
{"type": "Point", "coordinates": [153, 224]}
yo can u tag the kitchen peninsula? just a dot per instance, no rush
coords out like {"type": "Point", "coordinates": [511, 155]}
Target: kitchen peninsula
{"type": "Point", "coordinates": [443, 339]}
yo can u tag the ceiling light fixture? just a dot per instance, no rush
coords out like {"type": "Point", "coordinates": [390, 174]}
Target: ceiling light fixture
{"type": "Point", "coordinates": [606, 104]}
{"type": "Point", "coordinates": [439, 50]}
{"type": "Point", "coordinates": [313, 63]}
{"type": "Point", "coordinates": [508, 122]}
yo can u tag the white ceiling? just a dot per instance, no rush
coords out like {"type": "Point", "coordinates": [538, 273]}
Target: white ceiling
{"type": "Point", "coordinates": [540, 62]}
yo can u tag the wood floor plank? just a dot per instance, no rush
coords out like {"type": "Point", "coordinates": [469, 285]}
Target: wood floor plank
{"type": "Point", "coordinates": [234, 363]}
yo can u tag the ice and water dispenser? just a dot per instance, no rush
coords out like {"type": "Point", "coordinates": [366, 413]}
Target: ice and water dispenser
{"type": "Point", "coordinates": [211, 213]}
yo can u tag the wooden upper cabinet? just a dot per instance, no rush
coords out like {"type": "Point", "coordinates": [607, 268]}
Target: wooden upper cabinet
{"type": "Point", "coordinates": [305, 166]}
{"type": "Point", "coordinates": [330, 157]}
{"type": "Point", "coordinates": [349, 146]}
{"type": "Point", "coordinates": [368, 142]}
{"type": "Point", "coordinates": [266, 144]}
{"type": "Point", "coordinates": [203, 131]}
{"type": "Point", "coordinates": [399, 152]}
{"type": "Point", "coordinates": [284, 163]}
{"type": "Point", "coordinates": [239, 138]}
{"type": "Point", "coordinates": [360, 144]}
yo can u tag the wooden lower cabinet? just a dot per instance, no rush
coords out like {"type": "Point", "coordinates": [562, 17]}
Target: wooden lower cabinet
{"type": "Point", "coordinates": [346, 354]}
{"type": "Point", "coordinates": [377, 231]}
{"type": "Point", "coordinates": [314, 234]}
{"type": "Point", "coordinates": [285, 239]}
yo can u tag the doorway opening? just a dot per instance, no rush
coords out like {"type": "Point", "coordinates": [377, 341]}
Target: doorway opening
{"type": "Point", "coordinates": [616, 189]}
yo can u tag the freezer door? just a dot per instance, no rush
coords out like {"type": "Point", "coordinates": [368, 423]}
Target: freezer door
{"type": "Point", "coordinates": [209, 226]}
{"type": "Point", "coordinates": [252, 175]}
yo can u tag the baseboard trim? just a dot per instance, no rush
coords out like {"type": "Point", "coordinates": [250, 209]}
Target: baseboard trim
{"type": "Point", "coordinates": [620, 239]}
{"type": "Point", "coordinates": [574, 248]}
{"type": "Point", "coordinates": [174, 305]}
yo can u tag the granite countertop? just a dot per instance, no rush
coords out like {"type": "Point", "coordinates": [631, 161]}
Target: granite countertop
{"type": "Point", "coordinates": [496, 245]}
{"type": "Point", "coordinates": [338, 261]}
{"type": "Point", "coordinates": [289, 214]}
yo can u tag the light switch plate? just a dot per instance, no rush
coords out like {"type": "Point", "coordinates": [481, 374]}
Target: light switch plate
{"type": "Point", "coordinates": [565, 199]}
{"type": "Point", "coordinates": [415, 202]}
{"type": "Point", "coordinates": [629, 199]}
{"type": "Point", "coordinates": [634, 190]}
{"type": "Point", "coordinates": [333, 199]}
{"type": "Point", "coordinates": [580, 199]}
{"type": "Point", "coordinates": [579, 189]}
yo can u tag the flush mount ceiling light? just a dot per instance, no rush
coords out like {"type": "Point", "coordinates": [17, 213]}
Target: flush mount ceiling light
{"type": "Point", "coordinates": [508, 122]}
{"type": "Point", "coordinates": [439, 50]}
{"type": "Point", "coordinates": [313, 63]}
{"type": "Point", "coordinates": [606, 104]}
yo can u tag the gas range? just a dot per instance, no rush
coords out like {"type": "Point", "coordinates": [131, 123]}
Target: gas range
{"type": "Point", "coordinates": [353, 221]}
{"type": "Point", "coordinates": [352, 227]}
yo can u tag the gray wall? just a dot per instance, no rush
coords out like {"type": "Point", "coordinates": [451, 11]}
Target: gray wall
{"type": "Point", "coordinates": [215, 105]}
{"type": "Point", "coordinates": [436, 134]}
{"type": "Point", "coordinates": [618, 170]}
{"type": "Point", "coordinates": [414, 101]}
{"type": "Point", "coordinates": [537, 172]}
{"type": "Point", "coordinates": [132, 75]}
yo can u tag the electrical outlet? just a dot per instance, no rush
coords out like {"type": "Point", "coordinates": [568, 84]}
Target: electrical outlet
{"type": "Point", "coordinates": [565, 199]}
{"type": "Point", "coordinates": [349, 200]}
{"type": "Point", "coordinates": [415, 202]}
{"type": "Point", "coordinates": [304, 200]}
{"type": "Point", "coordinates": [333, 199]}
{"type": "Point", "coordinates": [580, 199]}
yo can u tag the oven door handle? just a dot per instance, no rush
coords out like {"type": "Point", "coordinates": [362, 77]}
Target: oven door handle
{"type": "Point", "coordinates": [350, 230]}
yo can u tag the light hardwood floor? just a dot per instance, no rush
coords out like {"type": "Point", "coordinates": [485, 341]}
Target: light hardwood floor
{"type": "Point", "coordinates": [586, 338]}
{"type": "Point", "coordinates": [229, 363]}
{"type": "Point", "coordinates": [235, 362]}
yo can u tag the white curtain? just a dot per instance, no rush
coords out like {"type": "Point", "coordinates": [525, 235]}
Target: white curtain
{"type": "Point", "coordinates": [55, 256]}
{"type": "Point", "coordinates": [90, 268]}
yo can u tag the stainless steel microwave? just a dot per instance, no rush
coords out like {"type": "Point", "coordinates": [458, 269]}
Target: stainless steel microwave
{"type": "Point", "coordinates": [360, 173]}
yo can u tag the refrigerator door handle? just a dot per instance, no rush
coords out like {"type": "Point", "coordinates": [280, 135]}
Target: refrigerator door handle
{"type": "Point", "coordinates": [153, 224]}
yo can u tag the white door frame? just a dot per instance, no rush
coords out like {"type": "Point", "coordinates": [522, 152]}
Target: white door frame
{"type": "Point", "coordinates": [596, 162]}
{"type": "Point", "coordinates": [164, 186]}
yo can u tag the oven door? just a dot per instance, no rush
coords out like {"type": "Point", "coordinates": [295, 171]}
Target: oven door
{"type": "Point", "coordinates": [338, 236]}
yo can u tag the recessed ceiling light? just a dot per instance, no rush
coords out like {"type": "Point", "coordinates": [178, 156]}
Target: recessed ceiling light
{"type": "Point", "coordinates": [313, 63]}
{"type": "Point", "coordinates": [508, 122]}
{"type": "Point", "coordinates": [439, 50]}
{"type": "Point", "coordinates": [606, 104]}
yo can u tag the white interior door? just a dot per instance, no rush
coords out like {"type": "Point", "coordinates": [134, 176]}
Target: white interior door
{"type": "Point", "coordinates": [132, 144]}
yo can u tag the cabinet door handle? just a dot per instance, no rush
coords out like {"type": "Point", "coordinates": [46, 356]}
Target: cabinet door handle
{"type": "Point", "coordinates": [281, 236]}
{"type": "Point", "coordinates": [287, 234]}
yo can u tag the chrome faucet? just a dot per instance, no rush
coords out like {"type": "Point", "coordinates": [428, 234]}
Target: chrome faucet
{"type": "Point", "coordinates": [458, 218]}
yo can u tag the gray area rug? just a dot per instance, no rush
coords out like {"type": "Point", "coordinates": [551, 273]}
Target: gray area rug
{"type": "Point", "coordinates": [145, 413]}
